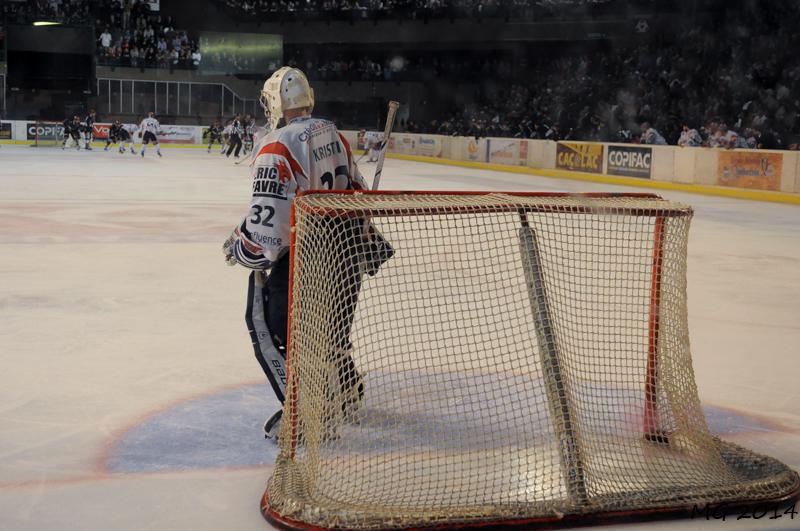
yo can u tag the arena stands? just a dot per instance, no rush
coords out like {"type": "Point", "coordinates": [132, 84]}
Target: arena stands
{"type": "Point", "coordinates": [741, 72]}
{"type": "Point", "coordinates": [132, 36]}
{"type": "Point", "coordinates": [128, 34]}
{"type": "Point", "coordinates": [65, 11]}
{"type": "Point", "coordinates": [416, 9]}
{"type": "Point", "coordinates": [735, 76]}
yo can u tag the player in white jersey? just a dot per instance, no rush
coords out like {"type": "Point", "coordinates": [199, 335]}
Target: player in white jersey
{"type": "Point", "coordinates": [373, 141]}
{"type": "Point", "coordinates": [149, 129]}
{"type": "Point", "coordinates": [226, 137]}
{"type": "Point", "coordinates": [305, 154]}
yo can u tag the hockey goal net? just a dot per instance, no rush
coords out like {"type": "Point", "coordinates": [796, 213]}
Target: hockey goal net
{"type": "Point", "coordinates": [516, 358]}
{"type": "Point", "coordinates": [46, 134]}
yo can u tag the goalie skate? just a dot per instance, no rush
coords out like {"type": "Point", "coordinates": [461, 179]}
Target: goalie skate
{"type": "Point", "coordinates": [346, 392]}
{"type": "Point", "coordinates": [352, 398]}
{"type": "Point", "coordinates": [272, 426]}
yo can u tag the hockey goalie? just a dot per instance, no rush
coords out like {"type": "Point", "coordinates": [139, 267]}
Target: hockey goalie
{"type": "Point", "coordinates": [300, 153]}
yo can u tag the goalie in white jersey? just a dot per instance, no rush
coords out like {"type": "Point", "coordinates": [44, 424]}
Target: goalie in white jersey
{"type": "Point", "coordinates": [305, 154]}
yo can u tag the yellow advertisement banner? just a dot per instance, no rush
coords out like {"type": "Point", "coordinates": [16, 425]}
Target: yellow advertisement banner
{"type": "Point", "coordinates": [750, 169]}
{"type": "Point", "coordinates": [578, 156]}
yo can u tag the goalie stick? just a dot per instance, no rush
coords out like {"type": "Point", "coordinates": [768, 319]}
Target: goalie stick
{"type": "Point", "coordinates": [393, 106]}
{"type": "Point", "coordinates": [377, 250]}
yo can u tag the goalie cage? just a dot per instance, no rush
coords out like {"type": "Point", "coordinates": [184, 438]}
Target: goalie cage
{"type": "Point", "coordinates": [524, 359]}
{"type": "Point", "coordinates": [47, 134]}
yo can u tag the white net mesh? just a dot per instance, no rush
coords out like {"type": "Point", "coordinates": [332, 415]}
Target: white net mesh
{"type": "Point", "coordinates": [514, 357]}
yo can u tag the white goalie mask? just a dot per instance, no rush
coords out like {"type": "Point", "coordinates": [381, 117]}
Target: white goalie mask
{"type": "Point", "coordinates": [286, 89]}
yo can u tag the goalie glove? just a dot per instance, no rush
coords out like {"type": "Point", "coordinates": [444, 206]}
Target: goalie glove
{"type": "Point", "coordinates": [227, 249]}
{"type": "Point", "coordinates": [235, 250]}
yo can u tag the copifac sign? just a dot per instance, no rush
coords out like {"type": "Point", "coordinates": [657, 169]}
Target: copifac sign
{"type": "Point", "coordinates": [630, 161]}
{"type": "Point", "coordinates": [578, 156]}
{"type": "Point", "coordinates": [44, 130]}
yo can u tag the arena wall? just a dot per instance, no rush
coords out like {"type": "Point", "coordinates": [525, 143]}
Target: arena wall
{"type": "Point", "coordinates": [751, 174]}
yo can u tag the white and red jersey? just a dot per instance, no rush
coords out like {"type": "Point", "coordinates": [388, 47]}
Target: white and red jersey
{"type": "Point", "coordinates": [150, 125]}
{"type": "Point", "coordinates": [307, 154]}
{"type": "Point", "coordinates": [373, 139]}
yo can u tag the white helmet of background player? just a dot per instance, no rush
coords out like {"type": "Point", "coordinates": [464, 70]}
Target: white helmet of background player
{"type": "Point", "coordinates": [286, 89]}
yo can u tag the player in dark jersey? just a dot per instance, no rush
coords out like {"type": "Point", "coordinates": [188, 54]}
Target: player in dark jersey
{"type": "Point", "coordinates": [125, 137]}
{"type": "Point", "coordinates": [118, 134]}
{"type": "Point", "coordinates": [88, 128]}
{"type": "Point", "coordinates": [66, 124]}
{"type": "Point", "coordinates": [215, 135]}
{"type": "Point", "coordinates": [113, 134]}
{"type": "Point", "coordinates": [72, 129]}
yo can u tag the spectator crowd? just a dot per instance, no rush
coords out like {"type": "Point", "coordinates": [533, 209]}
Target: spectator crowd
{"type": "Point", "coordinates": [733, 82]}
{"type": "Point", "coordinates": [413, 9]}
{"type": "Point", "coordinates": [736, 85]}
{"type": "Point", "coordinates": [133, 36]}
{"type": "Point", "coordinates": [128, 34]}
{"type": "Point", "coordinates": [66, 11]}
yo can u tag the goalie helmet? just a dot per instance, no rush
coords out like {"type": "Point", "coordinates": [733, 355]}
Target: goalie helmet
{"type": "Point", "coordinates": [286, 89]}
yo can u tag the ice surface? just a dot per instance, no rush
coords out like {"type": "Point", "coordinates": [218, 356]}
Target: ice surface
{"type": "Point", "coordinates": [130, 397]}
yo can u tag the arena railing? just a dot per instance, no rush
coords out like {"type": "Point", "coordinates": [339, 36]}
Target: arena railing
{"type": "Point", "coordinates": [174, 98]}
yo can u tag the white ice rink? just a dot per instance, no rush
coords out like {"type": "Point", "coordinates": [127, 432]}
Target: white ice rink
{"type": "Point", "coordinates": [129, 395]}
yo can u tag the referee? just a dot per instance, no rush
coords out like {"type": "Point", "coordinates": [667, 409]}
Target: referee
{"type": "Point", "coordinates": [235, 140]}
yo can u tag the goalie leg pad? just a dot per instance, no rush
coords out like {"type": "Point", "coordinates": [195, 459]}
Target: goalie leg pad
{"type": "Point", "coordinates": [263, 315]}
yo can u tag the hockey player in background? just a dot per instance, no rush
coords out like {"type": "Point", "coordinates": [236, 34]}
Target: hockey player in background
{"type": "Point", "coordinates": [72, 130]}
{"type": "Point", "coordinates": [361, 140]}
{"type": "Point", "coordinates": [125, 138]}
{"type": "Point", "coordinates": [88, 128]}
{"type": "Point", "coordinates": [304, 154]}
{"type": "Point", "coordinates": [373, 140]}
{"type": "Point", "coordinates": [249, 124]}
{"type": "Point", "coordinates": [226, 136]}
{"type": "Point", "coordinates": [117, 134]}
{"type": "Point", "coordinates": [215, 135]}
{"type": "Point", "coordinates": [66, 125]}
{"type": "Point", "coordinates": [149, 130]}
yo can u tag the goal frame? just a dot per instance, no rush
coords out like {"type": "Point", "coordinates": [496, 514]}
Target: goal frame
{"type": "Point", "coordinates": [45, 141]}
{"type": "Point", "coordinates": [652, 430]}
